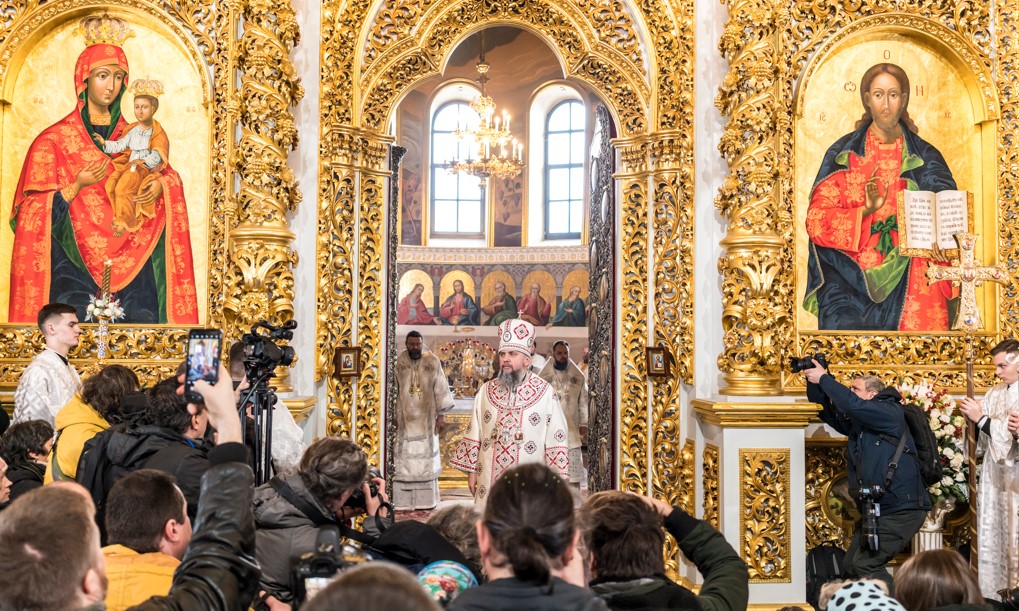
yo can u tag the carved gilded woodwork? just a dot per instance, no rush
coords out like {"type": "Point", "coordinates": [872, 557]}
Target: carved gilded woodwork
{"type": "Point", "coordinates": [825, 464]}
{"type": "Point", "coordinates": [244, 47]}
{"type": "Point", "coordinates": [672, 253]}
{"type": "Point", "coordinates": [637, 56]}
{"type": "Point", "coordinates": [372, 297]}
{"type": "Point", "coordinates": [261, 284]}
{"type": "Point", "coordinates": [772, 49]}
{"type": "Point", "coordinates": [633, 403]}
{"type": "Point", "coordinates": [709, 479]}
{"type": "Point", "coordinates": [764, 514]}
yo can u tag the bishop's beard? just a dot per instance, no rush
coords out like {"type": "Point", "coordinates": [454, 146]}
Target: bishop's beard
{"type": "Point", "coordinates": [512, 379]}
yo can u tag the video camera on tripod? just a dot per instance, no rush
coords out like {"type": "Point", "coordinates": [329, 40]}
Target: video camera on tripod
{"type": "Point", "coordinates": [262, 355]}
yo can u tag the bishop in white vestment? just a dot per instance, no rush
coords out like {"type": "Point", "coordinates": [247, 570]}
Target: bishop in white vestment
{"type": "Point", "coordinates": [517, 418]}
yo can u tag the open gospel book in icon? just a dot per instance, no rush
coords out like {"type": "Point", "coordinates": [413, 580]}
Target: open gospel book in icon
{"type": "Point", "coordinates": [926, 217]}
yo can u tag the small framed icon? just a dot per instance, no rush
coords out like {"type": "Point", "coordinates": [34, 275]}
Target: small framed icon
{"type": "Point", "coordinates": [658, 362]}
{"type": "Point", "coordinates": [347, 362]}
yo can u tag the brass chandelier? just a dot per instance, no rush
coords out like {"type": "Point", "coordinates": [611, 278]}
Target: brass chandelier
{"type": "Point", "coordinates": [490, 137]}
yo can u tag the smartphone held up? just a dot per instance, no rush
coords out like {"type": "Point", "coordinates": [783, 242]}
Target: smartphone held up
{"type": "Point", "coordinates": [204, 348]}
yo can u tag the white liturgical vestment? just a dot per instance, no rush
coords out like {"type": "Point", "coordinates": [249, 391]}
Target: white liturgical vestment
{"type": "Point", "coordinates": [998, 496]}
{"type": "Point", "coordinates": [570, 386]}
{"type": "Point", "coordinates": [423, 395]}
{"type": "Point", "coordinates": [44, 387]}
{"type": "Point", "coordinates": [509, 428]}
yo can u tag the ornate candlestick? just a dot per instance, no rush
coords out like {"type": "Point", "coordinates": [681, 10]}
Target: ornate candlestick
{"type": "Point", "coordinates": [105, 310]}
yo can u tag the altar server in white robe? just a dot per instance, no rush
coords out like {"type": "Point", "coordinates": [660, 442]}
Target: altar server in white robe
{"type": "Point", "coordinates": [570, 387]}
{"type": "Point", "coordinates": [517, 418]}
{"type": "Point", "coordinates": [422, 398]}
{"type": "Point", "coordinates": [997, 418]}
{"type": "Point", "coordinates": [50, 380]}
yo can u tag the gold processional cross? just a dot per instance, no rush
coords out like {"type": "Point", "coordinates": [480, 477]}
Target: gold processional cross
{"type": "Point", "coordinates": [968, 274]}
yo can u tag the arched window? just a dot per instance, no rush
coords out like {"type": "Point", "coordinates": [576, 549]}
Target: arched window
{"type": "Point", "coordinates": [564, 171]}
{"type": "Point", "coordinates": [456, 207]}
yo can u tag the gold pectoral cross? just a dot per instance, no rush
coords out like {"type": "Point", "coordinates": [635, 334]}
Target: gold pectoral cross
{"type": "Point", "coordinates": [968, 273]}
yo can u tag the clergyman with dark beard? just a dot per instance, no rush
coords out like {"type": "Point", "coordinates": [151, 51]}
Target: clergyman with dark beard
{"type": "Point", "coordinates": [516, 419]}
{"type": "Point", "coordinates": [423, 397]}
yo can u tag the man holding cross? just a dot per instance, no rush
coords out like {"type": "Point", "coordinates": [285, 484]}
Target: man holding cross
{"type": "Point", "coordinates": [993, 528]}
{"type": "Point", "coordinates": [997, 420]}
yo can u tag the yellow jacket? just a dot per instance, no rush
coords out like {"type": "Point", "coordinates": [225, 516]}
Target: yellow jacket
{"type": "Point", "coordinates": [76, 423]}
{"type": "Point", "coordinates": [134, 578]}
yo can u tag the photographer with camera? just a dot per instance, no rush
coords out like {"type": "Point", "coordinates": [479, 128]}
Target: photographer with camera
{"type": "Point", "coordinates": [886, 485]}
{"type": "Point", "coordinates": [331, 485]}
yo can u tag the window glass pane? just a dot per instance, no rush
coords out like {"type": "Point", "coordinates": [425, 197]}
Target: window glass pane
{"type": "Point", "coordinates": [558, 183]}
{"type": "Point", "coordinates": [467, 149]}
{"type": "Point", "coordinates": [445, 216]}
{"type": "Point", "coordinates": [443, 147]}
{"type": "Point", "coordinates": [558, 149]}
{"type": "Point", "coordinates": [577, 118]}
{"type": "Point", "coordinates": [470, 217]}
{"type": "Point", "coordinates": [444, 184]}
{"type": "Point", "coordinates": [577, 147]}
{"type": "Point", "coordinates": [576, 216]}
{"type": "Point", "coordinates": [559, 119]}
{"type": "Point", "coordinates": [557, 217]}
{"type": "Point", "coordinates": [468, 118]}
{"type": "Point", "coordinates": [577, 183]}
{"type": "Point", "coordinates": [445, 119]}
{"type": "Point", "coordinates": [470, 188]}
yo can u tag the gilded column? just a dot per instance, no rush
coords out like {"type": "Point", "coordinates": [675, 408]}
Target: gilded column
{"type": "Point", "coordinates": [338, 205]}
{"type": "Point", "coordinates": [371, 256]}
{"type": "Point", "coordinates": [633, 183]}
{"type": "Point", "coordinates": [262, 281]}
{"type": "Point", "coordinates": [757, 290]}
{"type": "Point", "coordinates": [672, 271]}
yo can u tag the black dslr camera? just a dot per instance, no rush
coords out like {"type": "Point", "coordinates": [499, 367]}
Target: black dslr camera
{"type": "Point", "coordinates": [796, 365]}
{"type": "Point", "coordinates": [356, 498]}
{"type": "Point", "coordinates": [315, 570]}
{"type": "Point", "coordinates": [871, 510]}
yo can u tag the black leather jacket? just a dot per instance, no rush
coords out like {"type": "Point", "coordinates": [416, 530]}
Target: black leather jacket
{"type": "Point", "coordinates": [218, 571]}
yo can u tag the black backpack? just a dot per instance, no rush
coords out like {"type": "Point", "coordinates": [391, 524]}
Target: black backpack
{"type": "Point", "coordinates": [824, 563]}
{"type": "Point", "coordinates": [98, 473]}
{"type": "Point", "coordinates": [928, 455]}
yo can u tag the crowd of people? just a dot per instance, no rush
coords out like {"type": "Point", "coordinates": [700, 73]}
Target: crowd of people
{"type": "Point", "coordinates": [146, 501]}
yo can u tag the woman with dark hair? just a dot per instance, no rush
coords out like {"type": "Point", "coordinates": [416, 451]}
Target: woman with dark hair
{"type": "Point", "coordinates": [93, 409]}
{"type": "Point", "coordinates": [25, 447]}
{"type": "Point", "coordinates": [939, 579]}
{"type": "Point", "coordinates": [527, 534]}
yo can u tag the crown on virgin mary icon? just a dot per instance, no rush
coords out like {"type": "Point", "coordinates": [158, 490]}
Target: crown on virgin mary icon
{"type": "Point", "coordinates": [104, 30]}
{"type": "Point", "coordinates": [147, 87]}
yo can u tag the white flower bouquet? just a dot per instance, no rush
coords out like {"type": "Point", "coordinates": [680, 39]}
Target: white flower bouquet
{"type": "Point", "coordinates": [107, 308]}
{"type": "Point", "coordinates": [949, 427]}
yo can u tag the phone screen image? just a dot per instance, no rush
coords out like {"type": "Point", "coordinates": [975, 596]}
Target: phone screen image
{"type": "Point", "coordinates": [203, 357]}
